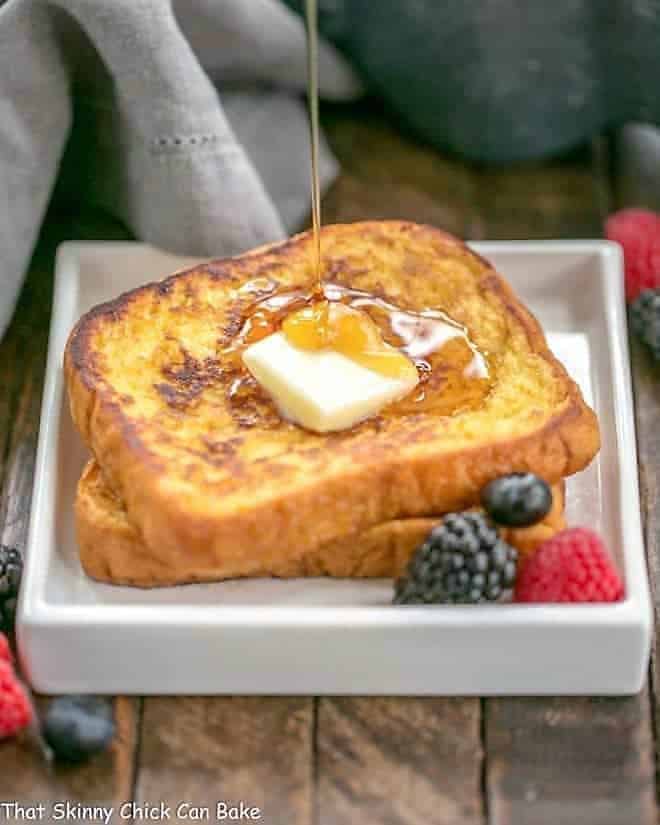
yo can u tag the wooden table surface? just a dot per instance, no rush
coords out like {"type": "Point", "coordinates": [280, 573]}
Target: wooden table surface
{"type": "Point", "coordinates": [380, 761]}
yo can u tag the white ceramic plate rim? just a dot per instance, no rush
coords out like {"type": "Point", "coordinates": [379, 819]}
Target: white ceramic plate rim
{"type": "Point", "coordinates": [35, 610]}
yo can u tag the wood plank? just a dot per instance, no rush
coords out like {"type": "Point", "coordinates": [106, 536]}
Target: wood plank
{"type": "Point", "coordinates": [646, 387]}
{"type": "Point", "coordinates": [403, 760]}
{"type": "Point", "coordinates": [25, 777]}
{"type": "Point", "coordinates": [8, 379]}
{"type": "Point", "coordinates": [399, 760]}
{"type": "Point", "coordinates": [15, 499]}
{"type": "Point", "coordinates": [637, 148]}
{"type": "Point", "coordinates": [254, 750]}
{"type": "Point", "coordinates": [559, 760]}
{"type": "Point", "coordinates": [25, 344]}
{"type": "Point", "coordinates": [561, 199]}
{"type": "Point", "coordinates": [22, 353]}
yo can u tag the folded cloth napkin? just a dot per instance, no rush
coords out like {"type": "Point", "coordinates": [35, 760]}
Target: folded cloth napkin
{"type": "Point", "coordinates": [184, 118]}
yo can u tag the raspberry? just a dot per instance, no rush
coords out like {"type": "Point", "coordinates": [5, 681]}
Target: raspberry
{"type": "Point", "coordinates": [15, 707]}
{"type": "Point", "coordinates": [572, 566]}
{"type": "Point", "coordinates": [638, 232]}
{"type": "Point", "coordinates": [5, 650]}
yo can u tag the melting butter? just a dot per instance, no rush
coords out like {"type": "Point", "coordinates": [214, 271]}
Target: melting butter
{"type": "Point", "coordinates": [452, 373]}
{"type": "Point", "coordinates": [327, 325]}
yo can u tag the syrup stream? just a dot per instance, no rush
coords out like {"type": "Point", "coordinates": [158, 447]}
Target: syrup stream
{"type": "Point", "coordinates": [313, 103]}
{"type": "Point", "coordinates": [417, 335]}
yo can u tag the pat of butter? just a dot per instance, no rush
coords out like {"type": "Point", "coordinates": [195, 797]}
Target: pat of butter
{"type": "Point", "coordinates": [321, 390]}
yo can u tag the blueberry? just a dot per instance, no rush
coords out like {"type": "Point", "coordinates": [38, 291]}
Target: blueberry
{"type": "Point", "coordinates": [77, 727]}
{"type": "Point", "coordinates": [517, 500]}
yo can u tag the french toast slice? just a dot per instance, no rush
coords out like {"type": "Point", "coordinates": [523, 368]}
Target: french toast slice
{"type": "Point", "coordinates": [151, 393]}
{"type": "Point", "coordinates": [113, 551]}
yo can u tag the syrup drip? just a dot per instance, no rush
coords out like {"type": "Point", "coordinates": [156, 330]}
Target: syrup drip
{"type": "Point", "coordinates": [453, 373]}
{"type": "Point", "coordinates": [333, 325]}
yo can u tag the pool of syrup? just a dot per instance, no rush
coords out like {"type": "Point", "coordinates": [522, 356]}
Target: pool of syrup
{"type": "Point", "coordinates": [453, 374]}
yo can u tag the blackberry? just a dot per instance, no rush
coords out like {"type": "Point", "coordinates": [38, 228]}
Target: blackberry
{"type": "Point", "coordinates": [11, 570]}
{"type": "Point", "coordinates": [77, 727]}
{"type": "Point", "coordinates": [517, 500]}
{"type": "Point", "coordinates": [645, 319]}
{"type": "Point", "coordinates": [462, 561]}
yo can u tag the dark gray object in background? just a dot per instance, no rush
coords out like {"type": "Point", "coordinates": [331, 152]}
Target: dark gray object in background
{"type": "Point", "coordinates": [504, 80]}
{"type": "Point", "coordinates": [637, 165]}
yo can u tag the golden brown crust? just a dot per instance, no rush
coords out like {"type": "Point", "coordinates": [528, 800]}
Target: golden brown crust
{"type": "Point", "coordinates": [112, 550]}
{"type": "Point", "coordinates": [224, 505]}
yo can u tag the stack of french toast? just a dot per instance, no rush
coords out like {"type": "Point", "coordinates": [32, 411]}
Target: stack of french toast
{"type": "Point", "coordinates": [196, 476]}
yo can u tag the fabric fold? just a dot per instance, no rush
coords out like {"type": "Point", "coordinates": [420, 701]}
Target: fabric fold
{"type": "Point", "coordinates": [194, 166]}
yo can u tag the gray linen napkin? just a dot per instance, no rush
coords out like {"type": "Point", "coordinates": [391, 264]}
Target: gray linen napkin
{"type": "Point", "coordinates": [184, 118]}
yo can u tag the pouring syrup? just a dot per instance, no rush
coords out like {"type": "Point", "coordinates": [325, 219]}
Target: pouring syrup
{"type": "Point", "coordinates": [313, 105]}
{"type": "Point", "coordinates": [453, 373]}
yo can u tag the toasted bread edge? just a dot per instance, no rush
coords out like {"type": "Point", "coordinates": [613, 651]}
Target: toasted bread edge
{"type": "Point", "coordinates": [409, 488]}
{"type": "Point", "coordinates": [113, 551]}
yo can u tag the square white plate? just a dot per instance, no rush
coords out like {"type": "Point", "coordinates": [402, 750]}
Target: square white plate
{"type": "Point", "coordinates": [332, 637]}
